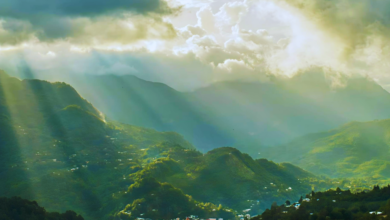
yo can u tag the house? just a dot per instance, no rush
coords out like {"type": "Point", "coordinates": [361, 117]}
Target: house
{"type": "Point", "coordinates": [333, 200]}
{"type": "Point", "coordinates": [297, 205]}
{"type": "Point", "coordinates": [376, 213]}
{"type": "Point", "coordinates": [285, 212]}
{"type": "Point", "coordinates": [306, 200]}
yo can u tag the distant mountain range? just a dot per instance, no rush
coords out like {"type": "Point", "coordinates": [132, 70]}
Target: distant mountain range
{"type": "Point", "coordinates": [245, 115]}
{"type": "Point", "coordinates": [356, 149]}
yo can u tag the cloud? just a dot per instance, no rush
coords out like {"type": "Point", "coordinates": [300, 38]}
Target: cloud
{"type": "Point", "coordinates": [231, 64]}
{"type": "Point", "coordinates": [99, 20]}
{"type": "Point", "coordinates": [231, 13]}
{"type": "Point", "coordinates": [13, 32]}
{"type": "Point", "coordinates": [363, 26]}
{"type": "Point", "coordinates": [222, 39]}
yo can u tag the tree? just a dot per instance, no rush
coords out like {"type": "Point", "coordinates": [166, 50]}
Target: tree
{"type": "Point", "coordinates": [274, 205]}
{"type": "Point", "coordinates": [288, 202]}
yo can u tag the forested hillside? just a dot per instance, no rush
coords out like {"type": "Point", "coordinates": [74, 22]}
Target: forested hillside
{"type": "Point", "coordinates": [356, 149]}
{"type": "Point", "coordinates": [17, 208]}
{"type": "Point", "coordinates": [334, 204]}
{"type": "Point", "coordinates": [60, 151]}
{"type": "Point", "coordinates": [228, 177]}
{"type": "Point", "coordinates": [57, 149]}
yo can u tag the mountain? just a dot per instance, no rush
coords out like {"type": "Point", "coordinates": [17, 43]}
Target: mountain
{"type": "Point", "coordinates": [226, 176]}
{"type": "Point", "coordinates": [57, 149]}
{"type": "Point", "coordinates": [17, 208]}
{"type": "Point", "coordinates": [131, 100]}
{"type": "Point", "coordinates": [356, 149]}
{"type": "Point", "coordinates": [245, 115]}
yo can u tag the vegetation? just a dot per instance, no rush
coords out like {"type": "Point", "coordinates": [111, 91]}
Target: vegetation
{"type": "Point", "coordinates": [355, 150]}
{"type": "Point", "coordinates": [334, 204]}
{"type": "Point", "coordinates": [17, 208]}
{"type": "Point", "coordinates": [155, 200]}
{"type": "Point", "coordinates": [57, 149]}
{"type": "Point", "coordinates": [228, 177]}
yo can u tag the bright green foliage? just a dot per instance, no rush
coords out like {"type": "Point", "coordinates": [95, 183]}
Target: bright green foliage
{"type": "Point", "coordinates": [155, 200]}
{"type": "Point", "coordinates": [357, 149]}
{"type": "Point", "coordinates": [335, 204]}
{"type": "Point", "coordinates": [57, 149]}
{"type": "Point", "coordinates": [228, 177]}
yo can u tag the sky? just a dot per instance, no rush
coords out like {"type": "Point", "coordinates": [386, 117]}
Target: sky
{"type": "Point", "coordinates": [188, 44]}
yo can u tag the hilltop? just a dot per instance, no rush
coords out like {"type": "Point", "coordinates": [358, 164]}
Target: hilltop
{"type": "Point", "coordinates": [356, 149]}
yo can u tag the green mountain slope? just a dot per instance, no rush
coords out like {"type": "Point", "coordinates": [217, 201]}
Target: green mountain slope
{"type": "Point", "coordinates": [334, 204]}
{"type": "Point", "coordinates": [356, 149]}
{"type": "Point", "coordinates": [240, 114]}
{"type": "Point", "coordinates": [57, 149]}
{"type": "Point", "coordinates": [155, 200]}
{"type": "Point", "coordinates": [226, 176]}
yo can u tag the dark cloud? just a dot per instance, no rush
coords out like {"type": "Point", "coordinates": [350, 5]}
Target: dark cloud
{"type": "Point", "coordinates": [50, 20]}
{"type": "Point", "coordinates": [35, 9]}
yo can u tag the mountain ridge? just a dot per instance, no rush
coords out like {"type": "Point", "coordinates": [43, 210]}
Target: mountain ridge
{"type": "Point", "coordinates": [355, 149]}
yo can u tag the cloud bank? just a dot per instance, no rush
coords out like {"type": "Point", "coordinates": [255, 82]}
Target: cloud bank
{"type": "Point", "coordinates": [203, 42]}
